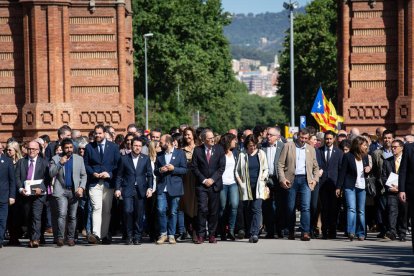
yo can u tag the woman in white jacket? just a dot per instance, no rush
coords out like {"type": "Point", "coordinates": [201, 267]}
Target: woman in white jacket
{"type": "Point", "coordinates": [251, 175]}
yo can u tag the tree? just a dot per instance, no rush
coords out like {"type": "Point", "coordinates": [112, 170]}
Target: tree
{"type": "Point", "coordinates": [315, 57]}
{"type": "Point", "coordinates": [189, 50]}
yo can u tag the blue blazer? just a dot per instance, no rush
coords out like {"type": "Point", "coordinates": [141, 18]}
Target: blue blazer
{"type": "Point", "coordinates": [331, 169]}
{"type": "Point", "coordinates": [94, 164]}
{"type": "Point", "coordinates": [173, 180]}
{"type": "Point", "coordinates": [7, 179]}
{"type": "Point", "coordinates": [348, 172]}
{"type": "Point", "coordinates": [127, 176]}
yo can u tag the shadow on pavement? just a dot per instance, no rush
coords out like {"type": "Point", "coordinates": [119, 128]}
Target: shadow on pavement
{"type": "Point", "coordinates": [398, 260]}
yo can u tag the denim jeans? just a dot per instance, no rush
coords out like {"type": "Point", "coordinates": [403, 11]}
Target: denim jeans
{"type": "Point", "coordinates": [67, 206]}
{"type": "Point", "coordinates": [355, 203]}
{"type": "Point", "coordinates": [166, 202]}
{"type": "Point", "coordinates": [254, 215]}
{"type": "Point", "coordinates": [230, 193]}
{"type": "Point", "coordinates": [300, 185]}
{"type": "Point", "coordinates": [180, 222]}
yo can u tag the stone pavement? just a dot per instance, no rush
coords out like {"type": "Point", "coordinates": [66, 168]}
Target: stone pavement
{"type": "Point", "coordinates": [268, 257]}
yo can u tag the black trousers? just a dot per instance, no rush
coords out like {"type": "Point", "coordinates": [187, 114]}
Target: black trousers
{"type": "Point", "coordinates": [134, 210]}
{"type": "Point", "coordinates": [397, 215]}
{"type": "Point", "coordinates": [329, 209]}
{"type": "Point", "coordinates": [208, 202]}
{"type": "Point", "coordinates": [37, 204]}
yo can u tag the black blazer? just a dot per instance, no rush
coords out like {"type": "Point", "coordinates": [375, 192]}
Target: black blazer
{"type": "Point", "coordinates": [128, 176]}
{"type": "Point", "coordinates": [330, 170]}
{"type": "Point", "coordinates": [348, 173]}
{"type": "Point", "coordinates": [406, 173]}
{"type": "Point", "coordinates": [215, 169]}
{"type": "Point", "coordinates": [388, 166]}
{"type": "Point", "coordinates": [7, 179]}
{"type": "Point", "coordinates": [41, 172]}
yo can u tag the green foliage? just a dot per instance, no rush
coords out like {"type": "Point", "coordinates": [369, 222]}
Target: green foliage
{"type": "Point", "coordinates": [315, 57]}
{"type": "Point", "coordinates": [189, 50]}
{"type": "Point", "coordinates": [261, 111]}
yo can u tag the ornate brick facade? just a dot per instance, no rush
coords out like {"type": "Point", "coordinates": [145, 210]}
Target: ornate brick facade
{"type": "Point", "coordinates": [376, 57]}
{"type": "Point", "coordinates": [64, 62]}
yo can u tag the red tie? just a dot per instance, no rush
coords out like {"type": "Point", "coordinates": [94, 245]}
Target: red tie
{"type": "Point", "coordinates": [208, 155]}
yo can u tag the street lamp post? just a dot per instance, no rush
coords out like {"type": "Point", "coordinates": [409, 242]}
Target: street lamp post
{"type": "Point", "coordinates": [291, 6]}
{"type": "Point", "coordinates": [146, 78]}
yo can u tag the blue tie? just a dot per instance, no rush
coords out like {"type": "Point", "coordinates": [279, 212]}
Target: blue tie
{"type": "Point", "coordinates": [101, 153]}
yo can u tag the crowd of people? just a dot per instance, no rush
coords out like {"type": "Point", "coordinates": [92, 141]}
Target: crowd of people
{"type": "Point", "coordinates": [196, 185]}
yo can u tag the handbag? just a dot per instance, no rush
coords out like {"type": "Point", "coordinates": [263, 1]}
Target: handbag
{"type": "Point", "coordinates": [370, 186]}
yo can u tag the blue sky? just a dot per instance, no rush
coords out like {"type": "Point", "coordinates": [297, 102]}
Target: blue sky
{"type": "Point", "coordinates": [256, 6]}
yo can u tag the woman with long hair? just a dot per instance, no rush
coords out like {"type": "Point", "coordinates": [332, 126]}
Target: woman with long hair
{"type": "Point", "coordinates": [355, 166]}
{"type": "Point", "coordinates": [188, 202]}
{"type": "Point", "coordinates": [13, 151]}
{"type": "Point", "coordinates": [230, 192]}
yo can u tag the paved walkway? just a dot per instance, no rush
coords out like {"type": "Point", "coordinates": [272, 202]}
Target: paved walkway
{"type": "Point", "coordinates": [268, 257]}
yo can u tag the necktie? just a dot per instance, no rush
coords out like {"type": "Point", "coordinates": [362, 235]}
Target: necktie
{"type": "Point", "coordinates": [397, 165]}
{"type": "Point", "coordinates": [101, 153]}
{"type": "Point", "coordinates": [328, 155]}
{"type": "Point", "coordinates": [30, 171]}
{"type": "Point", "coordinates": [208, 155]}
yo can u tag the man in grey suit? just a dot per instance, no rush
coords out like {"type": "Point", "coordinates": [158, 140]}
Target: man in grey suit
{"type": "Point", "coordinates": [68, 171]}
{"type": "Point", "coordinates": [272, 208]}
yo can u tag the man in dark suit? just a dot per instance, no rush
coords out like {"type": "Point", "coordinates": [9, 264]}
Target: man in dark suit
{"type": "Point", "coordinates": [134, 182]}
{"type": "Point", "coordinates": [331, 159]}
{"type": "Point", "coordinates": [63, 132]}
{"type": "Point", "coordinates": [8, 190]}
{"type": "Point", "coordinates": [170, 167]}
{"type": "Point", "coordinates": [33, 167]}
{"type": "Point", "coordinates": [406, 179]}
{"type": "Point", "coordinates": [396, 210]}
{"type": "Point", "coordinates": [208, 165]}
{"type": "Point", "coordinates": [101, 160]}
{"type": "Point", "coordinates": [272, 208]}
{"type": "Point", "coordinates": [70, 183]}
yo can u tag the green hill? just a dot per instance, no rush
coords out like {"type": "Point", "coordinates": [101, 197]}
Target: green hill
{"type": "Point", "coordinates": [246, 34]}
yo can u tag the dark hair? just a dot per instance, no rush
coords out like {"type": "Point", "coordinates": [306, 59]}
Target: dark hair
{"type": "Point", "coordinates": [65, 142]}
{"type": "Point", "coordinates": [45, 138]}
{"type": "Point", "coordinates": [387, 131]}
{"type": "Point", "coordinates": [157, 129]}
{"type": "Point", "coordinates": [258, 130]}
{"type": "Point", "coordinates": [63, 129]}
{"type": "Point", "coordinates": [137, 139]}
{"type": "Point", "coordinates": [225, 141]}
{"type": "Point", "coordinates": [198, 131]}
{"type": "Point", "coordinates": [345, 144]}
{"type": "Point", "coordinates": [400, 143]}
{"type": "Point", "coordinates": [179, 138]}
{"type": "Point", "coordinates": [99, 126]}
{"type": "Point", "coordinates": [195, 138]}
{"type": "Point", "coordinates": [174, 130]}
{"type": "Point", "coordinates": [305, 131]}
{"type": "Point", "coordinates": [330, 132]}
{"type": "Point", "coordinates": [357, 142]}
{"type": "Point", "coordinates": [250, 138]}
{"type": "Point", "coordinates": [311, 130]}
{"type": "Point", "coordinates": [56, 147]}
{"type": "Point", "coordinates": [168, 138]}
{"type": "Point", "coordinates": [119, 139]}
{"type": "Point", "coordinates": [132, 125]}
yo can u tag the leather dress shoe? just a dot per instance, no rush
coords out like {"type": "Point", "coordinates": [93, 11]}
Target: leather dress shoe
{"type": "Point", "coordinates": [34, 244]}
{"type": "Point", "coordinates": [231, 236]}
{"type": "Point", "coordinates": [137, 242]}
{"type": "Point", "coordinates": [305, 237]}
{"type": "Point", "coordinates": [212, 239]}
{"type": "Point", "coordinates": [200, 240]}
{"type": "Point", "coordinates": [93, 239]}
{"type": "Point", "coordinates": [254, 239]}
{"type": "Point", "coordinates": [71, 242]}
{"type": "Point", "coordinates": [60, 242]}
{"type": "Point", "coordinates": [291, 236]}
{"type": "Point", "coordinates": [129, 241]}
{"type": "Point", "coordinates": [106, 241]}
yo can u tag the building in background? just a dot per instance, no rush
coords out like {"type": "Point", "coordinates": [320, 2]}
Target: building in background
{"type": "Point", "coordinates": [64, 62]}
{"type": "Point", "coordinates": [376, 58]}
